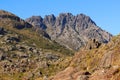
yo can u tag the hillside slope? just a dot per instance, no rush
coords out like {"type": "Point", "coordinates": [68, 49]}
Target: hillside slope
{"type": "Point", "coordinates": [71, 31]}
{"type": "Point", "coordinates": [26, 54]}
{"type": "Point", "coordinates": [101, 63]}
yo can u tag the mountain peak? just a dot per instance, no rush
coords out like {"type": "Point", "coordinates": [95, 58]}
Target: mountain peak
{"type": "Point", "coordinates": [72, 31]}
{"type": "Point", "coordinates": [86, 18]}
{"type": "Point", "coordinates": [65, 14]}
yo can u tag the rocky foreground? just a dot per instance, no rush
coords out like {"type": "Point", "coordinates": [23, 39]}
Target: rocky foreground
{"type": "Point", "coordinates": [101, 63]}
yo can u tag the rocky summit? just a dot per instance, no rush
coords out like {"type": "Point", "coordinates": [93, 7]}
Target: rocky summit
{"type": "Point", "coordinates": [71, 31]}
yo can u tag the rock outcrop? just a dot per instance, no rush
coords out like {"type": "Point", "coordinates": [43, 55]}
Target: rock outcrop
{"type": "Point", "coordinates": [71, 31]}
{"type": "Point", "coordinates": [95, 64]}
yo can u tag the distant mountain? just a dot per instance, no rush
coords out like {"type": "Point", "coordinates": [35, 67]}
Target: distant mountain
{"type": "Point", "coordinates": [71, 31]}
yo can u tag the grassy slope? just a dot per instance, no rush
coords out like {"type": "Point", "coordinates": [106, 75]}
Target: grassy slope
{"type": "Point", "coordinates": [31, 37]}
{"type": "Point", "coordinates": [94, 61]}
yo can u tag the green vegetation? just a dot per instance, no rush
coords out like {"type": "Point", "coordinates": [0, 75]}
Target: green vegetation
{"type": "Point", "coordinates": [25, 63]}
{"type": "Point", "coordinates": [32, 37]}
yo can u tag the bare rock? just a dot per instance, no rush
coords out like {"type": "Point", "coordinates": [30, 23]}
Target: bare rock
{"type": "Point", "coordinates": [71, 31]}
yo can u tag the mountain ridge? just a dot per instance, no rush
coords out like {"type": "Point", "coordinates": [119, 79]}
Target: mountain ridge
{"type": "Point", "coordinates": [71, 31]}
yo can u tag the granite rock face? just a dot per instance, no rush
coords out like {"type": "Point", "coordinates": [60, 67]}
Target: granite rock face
{"type": "Point", "coordinates": [71, 31]}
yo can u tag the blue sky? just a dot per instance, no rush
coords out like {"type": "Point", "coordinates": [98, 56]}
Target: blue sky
{"type": "Point", "coordinates": [106, 13]}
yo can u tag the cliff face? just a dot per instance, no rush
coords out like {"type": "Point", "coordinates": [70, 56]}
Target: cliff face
{"type": "Point", "coordinates": [71, 31]}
